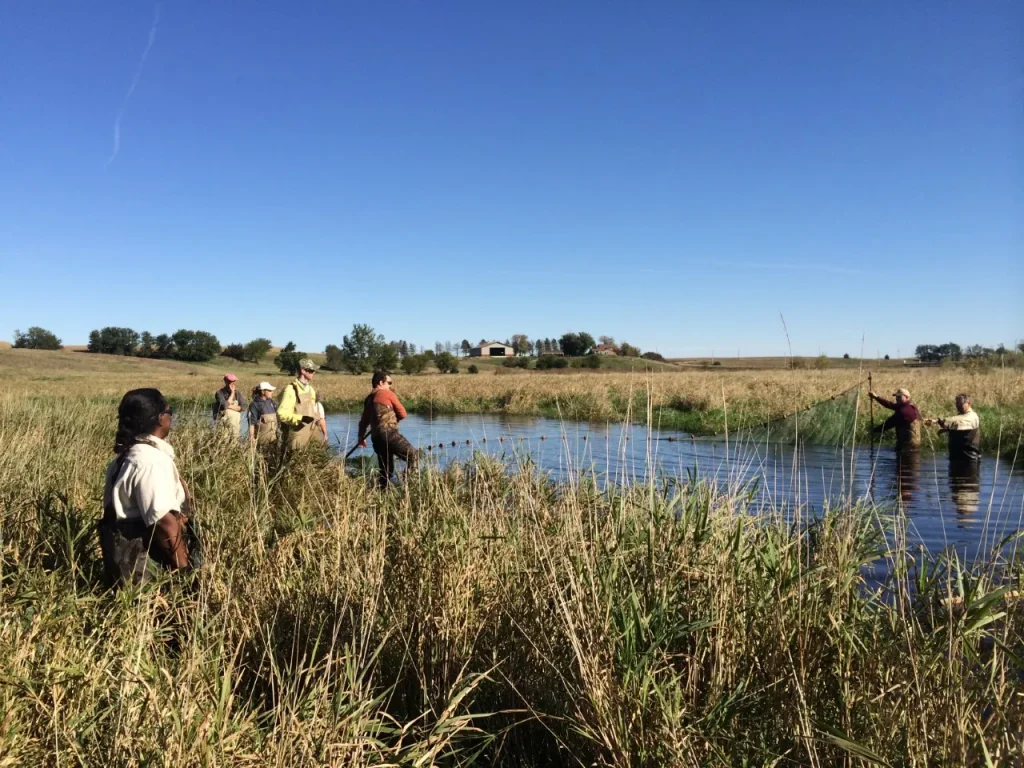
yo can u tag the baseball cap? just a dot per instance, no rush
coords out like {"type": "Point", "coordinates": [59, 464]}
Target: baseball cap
{"type": "Point", "coordinates": [230, 377]}
{"type": "Point", "coordinates": [308, 365]}
{"type": "Point", "coordinates": [267, 385]}
{"type": "Point", "coordinates": [901, 391]}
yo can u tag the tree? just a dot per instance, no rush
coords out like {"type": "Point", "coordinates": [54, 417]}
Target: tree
{"type": "Point", "coordinates": [359, 347]}
{"type": "Point", "coordinates": [576, 344]}
{"type": "Point", "coordinates": [403, 349]}
{"type": "Point", "coordinates": [256, 350]}
{"type": "Point", "coordinates": [653, 356]}
{"type": "Point", "coordinates": [931, 353]}
{"type": "Point", "coordinates": [412, 349]}
{"type": "Point", "coordinates": [235, 351]}
{"type": "Point", "coordinates": [438, 347]}
{"type": "Point", "coordinates": [287, 360]}
{"type": "Point", "coordinates": [886, 357]}
{"type": "Point", "coordinates": [164, 346]}
{"type": "Point", "coordinates": [446, 363]}
{"type": "Point", "coordinates": [115, 341]}
{"type": "Point", "coordinates": [822, 362]}
{"type": "Point", "coordinates": [413, 364]}
{"type": "Point", "coordinates": [544, 362]}
{"type": "Point", "coordinates": [538, 347]}
{"type": "Point", "coordinates": [195, 346]}
{"type": "Point", "coordinates": [591, 360]}
{"type": "Point", "coordinates": [607, 340]}
{"type": "Point", "coordinates": [146, 344]}
{"type": "Point", "coordinates": [36, 338]}
{"type": "Point", "coordinates": [335, 358]}
{"type": "Point", "coordinates": [628, 350]}
{"type": "Point", "coordinates": [384, 357]}
{"type": "Point", "coordinates": [472, 369]}
{"type": "Point", "coordinates": [465, 347]}
{"type": "Point", "coordinates": [521, 344]}
{"type": "Point", "coordinates": [846, 356]}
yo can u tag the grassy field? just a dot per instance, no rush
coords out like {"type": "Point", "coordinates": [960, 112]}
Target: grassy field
{"type": "Point", "coordinates": [699, 401]}
{"type": "Point", "coordinates": [476, 617]}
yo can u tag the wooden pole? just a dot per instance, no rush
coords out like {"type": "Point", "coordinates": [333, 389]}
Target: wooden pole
{"type": "Point", "coordinates": [871, 400]}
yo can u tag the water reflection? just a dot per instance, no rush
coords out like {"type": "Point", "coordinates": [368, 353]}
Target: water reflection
{"type": "Point", "coordinates": [965, 485]}
{"type": "Point", "coordinates": [908, 471]}
{"type": "Point", "coordinates": [940, 501]}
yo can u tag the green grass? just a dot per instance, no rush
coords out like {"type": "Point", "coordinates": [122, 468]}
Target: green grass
{"type": "Point", "coordinates": [482, 618]}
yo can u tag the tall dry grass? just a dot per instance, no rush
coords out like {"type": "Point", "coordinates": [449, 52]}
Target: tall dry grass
{"type": "Point", "coordinates": [481, 617]}
{"type": "Point", "coordinates": [698, 401]}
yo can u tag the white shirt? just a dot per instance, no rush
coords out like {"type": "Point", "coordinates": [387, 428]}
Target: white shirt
{"type": "Point", "coordinates": [960, 422]}
{"type": "Point", "coordinates": [148, 486]}
{"type": "Point", "coordinates": [320, 410]}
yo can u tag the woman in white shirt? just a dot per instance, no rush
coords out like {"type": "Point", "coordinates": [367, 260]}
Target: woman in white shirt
{"type": "Point", "coordinates": [145, 504]}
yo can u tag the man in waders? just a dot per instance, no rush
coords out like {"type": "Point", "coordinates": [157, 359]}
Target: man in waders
{"type": "Point", "coordinates": [963, 430]}
{"type": "Point", "coordinates": [228, 404]}
{"type": "Point", "coordinates": [381, 413]}
{"type": "Point", "coordinates": [905, 420]}
{"type": "Point", "coordinates": [297, 410]}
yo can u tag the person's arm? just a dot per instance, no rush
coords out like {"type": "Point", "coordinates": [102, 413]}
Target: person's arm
{"type": "Point", "coordinates": [400, 411]}
{"type": "Point", "coordinates": [169, 542]}
{"type": "Point", "coordinates": [286, 409]}
{"type": "Point", "coordinates": [219, 402]}
{"type": "Point", "coordinates": [962, 421]}
{"type": "Point", "coordinates": [883, 402]}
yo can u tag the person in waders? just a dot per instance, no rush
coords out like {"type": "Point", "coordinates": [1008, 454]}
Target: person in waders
{"type": "Point", "coordinates": [228, 404]}
{"type": "Point", "coordinates": [905, 420]}
{"type": "Point", "coordinates": [963, 430]}
{"type": "Point", "coordinates": [964, 434]}
{"type": "Point", "coordinates": [262, 416]}
{"type": "Point", "coordinates": [146, 506]}
{"type": "Point", "coordinates": [297, 411]}
{"type": "Point", "coordinates": [381, 413]}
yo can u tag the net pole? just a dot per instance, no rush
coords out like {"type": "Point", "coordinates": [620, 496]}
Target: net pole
{"type": "Point", "coordinates": [871, 404]}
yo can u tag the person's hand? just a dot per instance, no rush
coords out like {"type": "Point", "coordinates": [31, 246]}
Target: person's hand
{"type": "Point", "coordinates": [871, 393]}
{"type": "Point", "coordinates": [362, 443]}
{"type": "Point", "coordinates": [930, 422]}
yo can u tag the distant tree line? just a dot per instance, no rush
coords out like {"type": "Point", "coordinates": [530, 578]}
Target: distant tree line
{"type": "Point", "coordinates": [972, 354]}
{"type": "Point", "coordinates": [184, 344]}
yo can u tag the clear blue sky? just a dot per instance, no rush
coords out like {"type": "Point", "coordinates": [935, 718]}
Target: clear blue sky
{"type": "Point", "coordinates": [672, 174]}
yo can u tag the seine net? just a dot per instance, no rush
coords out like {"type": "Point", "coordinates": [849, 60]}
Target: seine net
{"type": "Point", "coordinates": [826, 422]}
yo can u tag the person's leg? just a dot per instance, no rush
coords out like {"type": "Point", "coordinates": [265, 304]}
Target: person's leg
{"type": "Point", "coordinates": [404, 450]}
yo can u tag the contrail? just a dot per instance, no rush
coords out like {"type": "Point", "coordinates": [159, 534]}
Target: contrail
{"type": "Point", "coordinates": [135, 82]}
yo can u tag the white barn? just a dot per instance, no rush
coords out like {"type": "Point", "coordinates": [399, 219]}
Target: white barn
{"type": "Point", "coordinates": [492, 349]}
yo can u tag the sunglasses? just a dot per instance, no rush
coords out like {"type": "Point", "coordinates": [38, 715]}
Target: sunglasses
{"type": "Point", "coordinates": [168, 410]}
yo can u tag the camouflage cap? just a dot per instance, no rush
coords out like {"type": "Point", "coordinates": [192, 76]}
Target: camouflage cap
{"type": "Point", "coordinates": [308, 365]}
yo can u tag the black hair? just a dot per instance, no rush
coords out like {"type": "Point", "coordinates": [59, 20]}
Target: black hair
{"type": "Point", "coordinates": [137, 416]}
{"type": "Point", "coordinates": [378, 377]}
{"type": "Point", "coordinates": [963, 397]}
{"type": "Point", "coordinates": [257, 393]}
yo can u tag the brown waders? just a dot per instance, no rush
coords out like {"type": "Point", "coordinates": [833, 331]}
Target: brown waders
{"type": "Point", "coordinates": [267, 430]}
{"type": "Point", "coordinates": [231, 421]}
{"type": "Point", "coordinates": [389, 445]}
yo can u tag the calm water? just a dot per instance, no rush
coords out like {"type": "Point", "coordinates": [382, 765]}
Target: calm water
{"type": "Point", "coordinates": [970, 510]}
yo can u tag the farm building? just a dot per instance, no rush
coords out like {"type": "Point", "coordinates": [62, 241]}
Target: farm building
{"type": "Point", "coordinates": [606, 349]}
{"type": "Point", "coordinates": [492, 349]}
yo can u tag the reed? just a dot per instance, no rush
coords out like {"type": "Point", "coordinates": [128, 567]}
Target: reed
{"type": "Point", "coordinates": [482, 617]}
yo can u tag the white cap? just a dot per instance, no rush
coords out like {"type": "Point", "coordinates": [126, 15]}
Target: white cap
{"type": "Point", "coordinates": [267, 385]}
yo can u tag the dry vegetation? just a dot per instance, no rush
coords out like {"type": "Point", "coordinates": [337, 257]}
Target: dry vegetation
{"type": "Point", "coordinates": [475, 618]}
{"type": "Point", "coordinates": [696, 400]}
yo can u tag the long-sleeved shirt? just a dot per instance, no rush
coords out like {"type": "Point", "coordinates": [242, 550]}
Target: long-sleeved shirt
{"type": "Point", "coordinates": [961, 422]}
{"type": "Point", "coordinates": [220, 400]}
{"type": "Point", "coordinates": [905, 420]}
{"type": "Point", "coordinates": [381, 412]}
{"type": "Point", "coordinates": [286, 409]}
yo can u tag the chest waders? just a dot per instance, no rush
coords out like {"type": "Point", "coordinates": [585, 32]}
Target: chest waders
{"type": "Point", "coordinates": [298, 436]}
{"type": "Point", "coordinates": [965, 444]}
{"type": "Point", "coordinates": [267, 429]}
{"type": "Point", "coordinates": [231, 421]}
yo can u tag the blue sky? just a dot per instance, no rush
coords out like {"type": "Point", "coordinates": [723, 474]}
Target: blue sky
{"type": "Point", "coordinates": [672, 174]}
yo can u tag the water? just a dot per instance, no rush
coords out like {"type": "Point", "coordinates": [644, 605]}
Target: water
{"type": "Point", "coordinates": [970, 508]}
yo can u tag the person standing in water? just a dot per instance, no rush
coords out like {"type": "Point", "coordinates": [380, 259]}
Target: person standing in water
{"type": "Point", "coordinates": [382, 411]}
{"type": "Point", "coordinates": [297, 411]}
{"type": "Point", "coordinates": [145, 504]}
{"type": "Point", "coordinates": [905, 420]}
{"type": "Point", "coordinates": [228, 404]}
{"type": "Point", "coordinates": [262, 416]}
{"type": "Point", "coordinates": [962, 430]}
